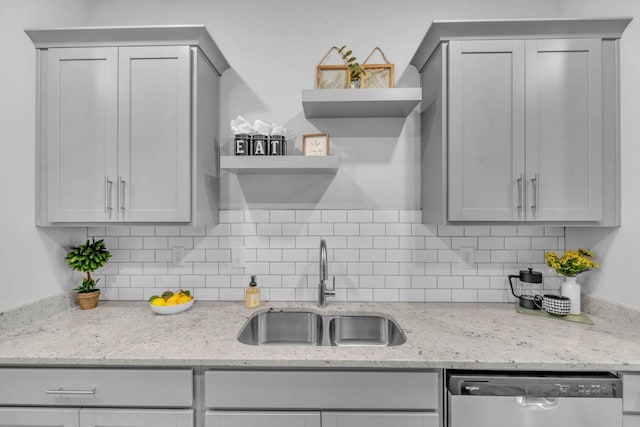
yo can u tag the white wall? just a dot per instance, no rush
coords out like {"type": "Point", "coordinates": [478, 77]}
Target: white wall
{"type": "Point", "coordinates": [617, 249]}
{"type": "Point", "coordinates": [31, 260]}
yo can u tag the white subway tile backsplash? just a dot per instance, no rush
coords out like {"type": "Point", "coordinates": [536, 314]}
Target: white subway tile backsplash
{"type": "Point", "coordinates": [400, 229]}
{"type": "Point", "coordinates": [257, 215]}
{"type": "Point", "coordinates": [308, 216]}
{"type": "Point", "coordinates": [320, 229]}
{"type": "Point", "coordinates": [282, 216]}
{"type": "Point", "coordinates": [269, 229]}
{"type": "Point", "coordinates": [334, 216]}
{"type": "Point", "coordinates": [372, 229]}
{"type": "Point", "coordinates": [346, 229]}
{"type": "Point", "coordinates": [375, 255]}
{"type": "Point", "coordinates": [410, 216]}
{"type": "Point", "coordinates": [168, 230]}
{"type": "Point", "coordinates": [117, 230]}
{"type": "Point", "coordinates": [360, 216]}
{"type": "Point", "coordinates": [231, 216]}
{"type": "Point", "coordinates": [386, 216]}
{"type": "Point", "coordinates": [450, 282]}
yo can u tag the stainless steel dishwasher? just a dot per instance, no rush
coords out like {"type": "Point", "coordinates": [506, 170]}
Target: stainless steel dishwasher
{"type": "Point", "coordinates": [532, 399]}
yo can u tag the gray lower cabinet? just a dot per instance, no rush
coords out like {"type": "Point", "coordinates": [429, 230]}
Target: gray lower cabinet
{"type": "Point", "coordinates": [320, 418]}
{"type": "Point", "coordinates": [261, 419]}
{"type": "Point", "coordinates": [631, 399]}
{"type": "Point", "coordinates": [63, 397]}
{"type": "Point", "coordinates": [380, 419]}
{"type": "Point", "coordinates": [310, 398]}
{"type": "Point", "coordinates": [73, 417]}
{"type": "Point", "coordinates": [50, 417]}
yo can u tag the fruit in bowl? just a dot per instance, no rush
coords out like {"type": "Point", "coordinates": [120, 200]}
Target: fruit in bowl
{"type": "Point", "coordinates": [171, 302]}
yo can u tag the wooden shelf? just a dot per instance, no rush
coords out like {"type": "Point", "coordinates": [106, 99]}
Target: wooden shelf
{"type": "Point", "coordinates": [349, 103]}
{"type": "Point", "coordinates": [280, 164]}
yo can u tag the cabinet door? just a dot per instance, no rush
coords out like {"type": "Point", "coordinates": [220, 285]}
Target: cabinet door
{"type": "Point", "coordinates": [81, 133]}
{"type": "Point", "coordinates": [261, 419]}
{"type": "Point", "coordinates": [37, 417]}
{"type": "Point", "coordinates": [631, 421]}
{"type": "Point", "coordinates": [154, 134]}
{"type": "Point", "coordinates": [486, 130]}
{"type": "Point", "coordinates": [136, 418]}
{"type": "Point", "coordinates": [380, 419]}
{"type": "Point", "coordinates": [564, 130]}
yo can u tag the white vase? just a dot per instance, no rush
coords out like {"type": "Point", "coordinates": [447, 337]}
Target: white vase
{"type": "Point", "coordinates": [571, 289]}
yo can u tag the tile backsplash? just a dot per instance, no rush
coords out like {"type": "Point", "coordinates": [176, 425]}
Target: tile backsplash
{"type": "Point", "coordinates": [375, 255]}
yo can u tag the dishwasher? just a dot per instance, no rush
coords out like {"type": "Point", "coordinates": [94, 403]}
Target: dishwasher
{"type": "Point", "coordinates": [532, 399]}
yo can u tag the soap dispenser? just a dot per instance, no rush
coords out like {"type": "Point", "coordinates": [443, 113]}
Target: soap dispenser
{"type": "Point", "coordinates": [252, 294]}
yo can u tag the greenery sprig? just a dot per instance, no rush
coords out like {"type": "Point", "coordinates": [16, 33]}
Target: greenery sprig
{"type": "Point", "coordinates": [355, 69]}
{"type": "Point", "coordinates": [88, 258]}
{"type": "Point", "coordinates": [571, 263]}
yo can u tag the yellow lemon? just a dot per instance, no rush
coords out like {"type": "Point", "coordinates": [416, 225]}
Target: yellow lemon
{"type": "Point", "coordinates": [173, 299]}
{"type": "Point", "coordinates": [183, 299]}
{"type": "Point", "coordinates": [158, 301]}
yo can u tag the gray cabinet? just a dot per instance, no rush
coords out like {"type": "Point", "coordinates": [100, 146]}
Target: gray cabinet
{"type": "Point", "coordinates": [517, 124]}
{"type": "Point", "coordinates": [261, 419]}
{"type": "Point", "coordinates": [96, 397]}
{"type": "Point", "coordinates": [631, 399]}
{"type": "Point", "coordinates": [128, 125]}
{"type": "Point", "coordinates": [309, 398]}
{"type": "Point", "coordinates": [380, 419]}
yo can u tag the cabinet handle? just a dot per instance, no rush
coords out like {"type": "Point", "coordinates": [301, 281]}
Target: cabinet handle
{"type": "Point", "coordinates": [108, 187]}
{"type": "Point", "coordinates": [519, 181]}
{"type": "Point", "coordinates": [122, 185]}
{"type": "Point", "coordinates": [63, 391]}
{"type": "Point", "coordinates": [534, 190]}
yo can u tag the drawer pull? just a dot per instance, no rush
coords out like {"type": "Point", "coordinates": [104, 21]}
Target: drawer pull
{"type": "Point", "coordinates": [63, 391]}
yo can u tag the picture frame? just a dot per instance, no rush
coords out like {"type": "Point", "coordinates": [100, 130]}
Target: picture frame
{"type": "Point", "coordinates": [316, 144]}
{"type": "Point", "coordinates": [379, 76]}
{"type": "Point", "coordinates": [332, 77]}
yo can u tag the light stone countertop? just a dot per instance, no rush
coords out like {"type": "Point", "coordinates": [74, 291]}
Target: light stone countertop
{"type": "Point", "coordinates": [439, 335]}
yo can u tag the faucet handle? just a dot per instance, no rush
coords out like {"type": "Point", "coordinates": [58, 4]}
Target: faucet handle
{"type": "Point", "coordinates": [331, 292]}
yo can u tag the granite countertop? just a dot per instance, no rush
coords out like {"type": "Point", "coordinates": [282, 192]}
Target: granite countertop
{"type": "Point", "coordinates": [439, 335]}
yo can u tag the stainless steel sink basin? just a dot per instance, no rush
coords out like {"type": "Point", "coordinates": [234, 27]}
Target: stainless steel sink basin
{"type": "Point", "coordinates": [280, 327]}
{"type": "Point", "coordinates": [365, 330]}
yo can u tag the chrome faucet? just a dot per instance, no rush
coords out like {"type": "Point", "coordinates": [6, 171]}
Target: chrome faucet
{"type": "Point", "coordinates": [323, 292]}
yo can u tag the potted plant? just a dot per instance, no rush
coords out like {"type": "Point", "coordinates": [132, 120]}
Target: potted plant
{"type": "Point", "coordinates": [570, 265]}
{"type": "Point", "coordinates": [88, 258]}
{"type": "Point", "coordinates": [355, 69]}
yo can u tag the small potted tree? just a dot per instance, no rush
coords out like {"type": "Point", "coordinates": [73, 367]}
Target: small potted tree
{"type": "Point", "coordinates": [87, 258]}
{"type": "Point", "coordinates": [355, 69]}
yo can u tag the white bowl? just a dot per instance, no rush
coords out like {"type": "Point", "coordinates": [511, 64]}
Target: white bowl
{"type": "Point", "coordinates": [171, 309]}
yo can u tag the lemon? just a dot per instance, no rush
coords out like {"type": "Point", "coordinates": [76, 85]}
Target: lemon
{"type": "Point", "coordinates": [158, 302]}
{"type": "Point", "coordinates": [173, 299]}
{"type": "Point", "coordinates": [183, 299]}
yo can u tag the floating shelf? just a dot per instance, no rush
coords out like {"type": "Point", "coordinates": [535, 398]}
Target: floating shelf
{"type": "Point", "coordinates": [348, 103]}
{"type": "Point", "coordinates": [280, 164]}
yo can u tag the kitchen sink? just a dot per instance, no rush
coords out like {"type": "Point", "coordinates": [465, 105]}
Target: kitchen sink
{"type": "Point", "coordinates": [280, 327]}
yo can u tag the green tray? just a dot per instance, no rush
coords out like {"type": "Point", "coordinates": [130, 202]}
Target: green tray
{"type": "Point", "coordinates": [578, 318]}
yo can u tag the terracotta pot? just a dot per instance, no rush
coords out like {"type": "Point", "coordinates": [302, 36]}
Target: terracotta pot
{"type": "Point", "coordinates": [88, 300]}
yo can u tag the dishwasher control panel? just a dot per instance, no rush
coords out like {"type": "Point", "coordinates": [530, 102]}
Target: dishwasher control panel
{"type": "Point", "coordinates": [540, 384]}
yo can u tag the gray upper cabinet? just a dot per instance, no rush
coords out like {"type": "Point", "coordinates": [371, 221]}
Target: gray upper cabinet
{"type": "Point", "coordinates": [127, 125]}
{"type": "Point", "coordinates": [520, 121]}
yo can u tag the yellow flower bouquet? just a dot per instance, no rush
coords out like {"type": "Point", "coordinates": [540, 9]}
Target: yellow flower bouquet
{"type": "Point", "coordinates": [571, 263]}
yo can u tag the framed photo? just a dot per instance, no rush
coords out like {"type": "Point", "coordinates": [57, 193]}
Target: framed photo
{"type": "Point", "coordinates": [332, 77]}
{"type": "Point", "coordinates": [316, 144]}
{"type": "Point", "coordinates": [378, 76]}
